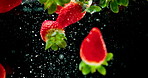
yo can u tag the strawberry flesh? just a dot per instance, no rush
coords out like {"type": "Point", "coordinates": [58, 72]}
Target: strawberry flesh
{"type": "Point", "coordinates": [93, 50]}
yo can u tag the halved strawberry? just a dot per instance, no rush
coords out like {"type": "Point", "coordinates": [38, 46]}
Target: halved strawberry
{"type": "Point", "coordinates": [7, 5]}
{"type": "Point", "coordinates": [93, 53]}
{"type": "Point", "coordinates": [93, 50]}
{"type": "Point", "coordinates": [69, 14]}
{"type": "Point", "coordinates": [2, 72]}
{"type": "Point", "coordinates": [53, 35]}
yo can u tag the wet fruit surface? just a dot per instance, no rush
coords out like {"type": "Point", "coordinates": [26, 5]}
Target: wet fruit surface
{"type": "Point", "coordinates": [23, 49]}
{"type": "Point", "coordinates": [7, 5]}
{"type": "Point", "coordinates": [2, 71]}
{"type": "Point", "coordinates": [93, 48]}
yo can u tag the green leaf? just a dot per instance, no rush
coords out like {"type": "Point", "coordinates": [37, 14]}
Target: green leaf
{"type": "Point", "coordinates": [42, 1]}
{"type": "Point", "coordinates": [58, 37]}
{"type": "Point", "coordinates": [62, 2]}
{"type": "Point", "coordinates": [58, 2]}
{"type": "Point", "coordinates": [54, 47]}
{"type": "Point", "coordinates": [103, 3]}
{"type": "Point", "coordinates": [48, 4]}
{"type": "Point", "coordinates": [105, 63]}
{"type": "Point", "coordinates": [114, 6]}
{"type": "Point", "coordinates": [109, 56]}
{"type": "Point", "coordinates": [64, 44]}
{"type": "Point", "coordinates": [52, 8]}
{"type": "Point", "coordinates": [48, 44]}
{"type": "Point", "coordinates": [124, 2]}
{"type": "Point", "coordinates": [93, 69]}
{"type": "Point", "coordinates": [63, 36]}
{"type": "Point", "coordinates": [80, 0]}
{"type": "Point", "coordinates": [59, 43]}
{"type": "Point", "coordinates": [86, 70]}
{"type": "Point", "coordinates": [90, 2]}
{"type": "Point", "coordinates": [81, 65]}
{"type": "Point", "coordinates": [52, 39]}
{"type": "Point", "coordinates": [101, 70]}
{"type": "Point", "coordinates": [119, 2]}
{"type": "Point", "coordinates": [65, 1]}
{"type": "Point", "coordinates": [93, 9]}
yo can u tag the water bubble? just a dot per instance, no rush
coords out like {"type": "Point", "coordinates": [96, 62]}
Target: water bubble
{"type": "Point", "coordinates": [61, 56]}
{"type": "Point", "coordinates": [98, 20]}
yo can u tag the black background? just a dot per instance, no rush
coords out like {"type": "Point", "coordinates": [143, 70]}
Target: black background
{"type": "Point", "coordinates": [22, 49]}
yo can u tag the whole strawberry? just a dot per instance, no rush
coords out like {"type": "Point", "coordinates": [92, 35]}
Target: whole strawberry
{"type": "Point", "coordinates": [53, 35]}
{"type": "Point", "coordinates": [69, 14]}
{"type": "Point", "coordinates": [52, 32]}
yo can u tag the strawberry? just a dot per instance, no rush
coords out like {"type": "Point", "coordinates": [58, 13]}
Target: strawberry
{"type": "Point", "coordinates": [46, 26]}
{"type": "Point", "coordinates": [2, 72]}
{"type": "Point", "coordinates": [93, 53]}
{"type": "Point", "coordinates": [52, 31]}
{"type": "Point", "coordinates": [7, 5]}
{"type": "Point", "coordinates": [93, 50]}
{"type": "Point", "coordinates": [69, 14]}
{"type": "Point", "coordinates": [53, 35]}
{"type": "Point", "coordinates": [58, 9]}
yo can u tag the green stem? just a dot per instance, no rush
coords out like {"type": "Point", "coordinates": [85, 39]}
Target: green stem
{"type": "Point", "coordinates": [55, 39]}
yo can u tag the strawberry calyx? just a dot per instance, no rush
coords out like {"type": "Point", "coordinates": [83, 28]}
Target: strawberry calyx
{"type": "Point", "coordinates": [89, 68]}
{"type": "Point", "coordinates": [55, 39]}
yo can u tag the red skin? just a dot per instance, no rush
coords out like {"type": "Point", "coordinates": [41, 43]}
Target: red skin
{"type": "Point", "coordinates": [7, 5]}
{"type": "Point", "coordinates": [58, 9]}
{"type": "Point", "coordinates": [93, 50]}
{"type": "Point", "coordinates": [69, 14]}
{"type": "Point", "coordinates": [2, 72]}
{"type": "Point", "coordinates": [46, 26]}
{"type": "Point", "coordinates": [71, 11]}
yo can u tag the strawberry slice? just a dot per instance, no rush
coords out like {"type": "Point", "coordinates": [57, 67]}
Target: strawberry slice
{"type": "Point", "coordinates": [93, 50]}
{"type": "Point", "coordinates": [93, 53]}
{"type": "Point", "coordinates": [69, 14]}
{"type": "Point", "coordinates": [53, 35]}
{"type": "Point", "coordinates": [2, 72]}
{"type": "Point", "coordinates": [7, 5]}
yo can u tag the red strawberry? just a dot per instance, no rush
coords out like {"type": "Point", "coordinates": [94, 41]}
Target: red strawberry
{"type": "Point", "coordinates": [93, 50]}
{"type": "Point", "coordinates": [7, 5]}
{"type": "Point", "coordinates": [53, 35]}
{"type": "Point", "coordinates": [93, 53]}
{"type": "Point", "coordinates": [52, 31]}
{"type": "Point", "coordinates": [2, 72]}
{"type": "Point", "coordinates": [69, 14]}
{"type": "Point", "coordinates": [46, 26]}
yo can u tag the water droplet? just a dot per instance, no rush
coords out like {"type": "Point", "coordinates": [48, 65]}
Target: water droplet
{"type": "Point", "coordinates": [61, 56]}
{"type": "Point", "coordinates": [97, 19]}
